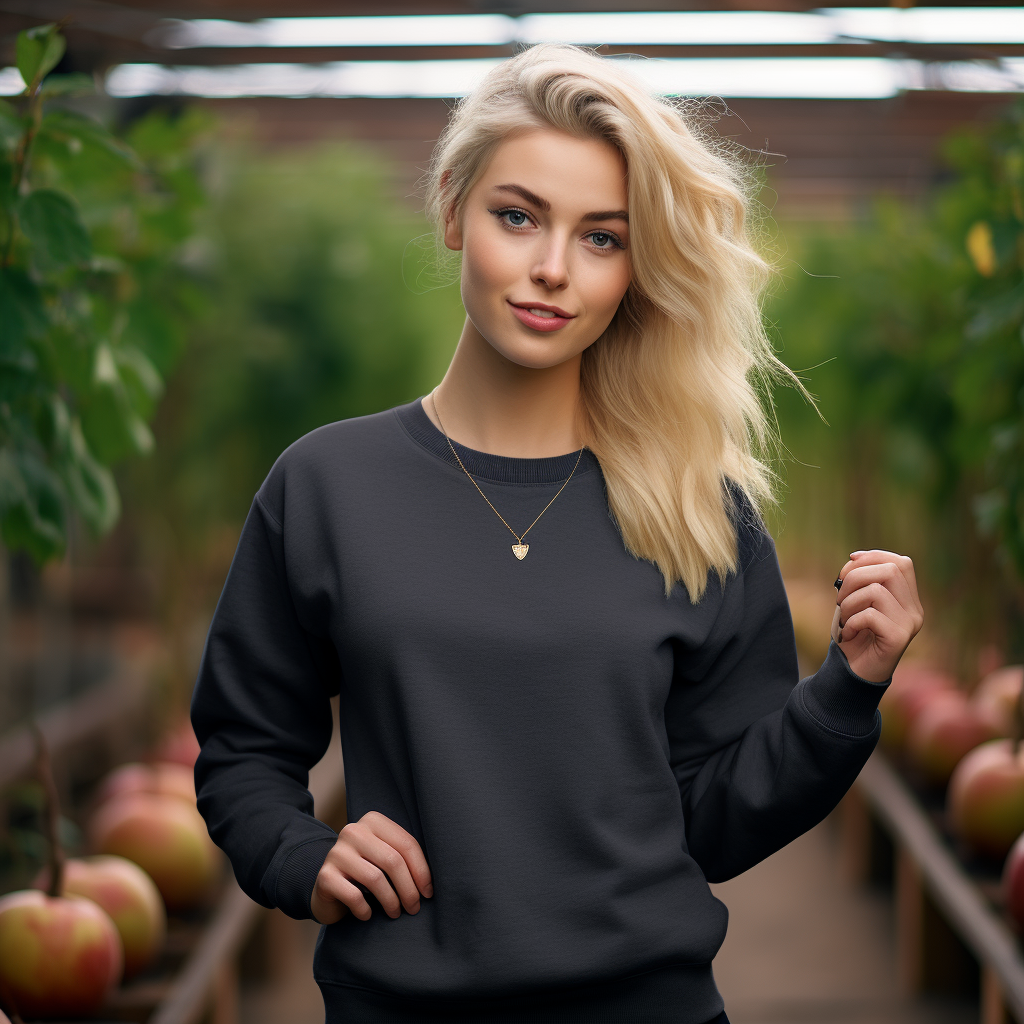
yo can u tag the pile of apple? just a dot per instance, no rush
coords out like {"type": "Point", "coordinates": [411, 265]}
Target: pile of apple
{"type": "Point", "coordinates": [975, 745]}
{"type": "Point", "coordinates": [90, 923]}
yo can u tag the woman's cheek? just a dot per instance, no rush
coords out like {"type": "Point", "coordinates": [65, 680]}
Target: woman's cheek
{"type": "Point", "coordinates": [606, 290]}
{"type": "Point", "coordinates": [487, 272]}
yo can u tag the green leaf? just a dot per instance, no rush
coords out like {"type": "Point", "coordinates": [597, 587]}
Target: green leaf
{"type": "Point", "coordinates": [137, 366]}
{"type": "Point", "coordinates": [68, 85]}
{"type": "Point", "coordinates": [92, 487]}
{"type": "Point", "coordinates": [38, 51]}
{"type": "Point", "coordinates": [12, 126]}
{"type": "Point", "coordinates": [51, 223]}
{"type": "Point", "coordinates": [65, 125]}
{"type": "Point", "coordinates": [31, 505]}
{"type": "Point", "coordinates": [995, 314]}
{"type": "Point", "coordinates": [22, 312]}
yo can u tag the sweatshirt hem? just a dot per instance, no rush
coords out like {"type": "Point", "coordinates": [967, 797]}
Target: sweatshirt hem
{"type": "Point", "coordinates": [682, 993]}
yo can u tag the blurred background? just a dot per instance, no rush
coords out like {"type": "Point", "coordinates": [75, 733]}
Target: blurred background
{"type": "Point", "coordinates": [212, 242]}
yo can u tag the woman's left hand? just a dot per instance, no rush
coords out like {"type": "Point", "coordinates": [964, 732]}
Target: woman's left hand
{"type": "Point", "coordinates": [879, 611]}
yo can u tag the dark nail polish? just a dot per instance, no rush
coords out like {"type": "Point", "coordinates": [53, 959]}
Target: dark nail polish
{"type": "Point", "coordinates": [838, 583]}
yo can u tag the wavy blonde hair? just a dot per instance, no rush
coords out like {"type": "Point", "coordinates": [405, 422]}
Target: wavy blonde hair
{"type": "Point", "coordinates": [671, 393]}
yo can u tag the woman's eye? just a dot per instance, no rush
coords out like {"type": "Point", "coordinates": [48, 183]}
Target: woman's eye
{"type": "Point", "coordinates": [604, 240]}
{"type": "Point", "coordinates": [516, 218]}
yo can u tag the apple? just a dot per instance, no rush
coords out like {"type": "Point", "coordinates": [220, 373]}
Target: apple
{"type": "Point", "coordinates": [166, 837]}
{"type": "Point", "coordinates": [59, 956]}
{"type": "Point", "coordinates": [180, 745]}
{"type": "Point", "coordinates": [999, 694]}
{"type": "Point", "coordinates": [1013, 882]}
{"type": "Point", "coordinates": [164, 777]}
{"type": "Point", "coordinates": [128, 895]}
{"type": "Point", "coordinates": [912, 688]}
{"type": "Point", "coordinates": [985, 803]}
{"type": "Point", "coordinates": [944, 730]}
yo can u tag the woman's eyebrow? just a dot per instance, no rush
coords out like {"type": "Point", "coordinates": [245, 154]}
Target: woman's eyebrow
{"type": "Point", "coordinates": [607, 215]}
{"type": "Point", "coordinates": [525, 193]}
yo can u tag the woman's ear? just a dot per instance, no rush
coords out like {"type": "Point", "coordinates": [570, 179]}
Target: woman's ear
{"type": "Point", "coordinates": [452, 229]}
{"type": "Point", "coordinates": [452, 233]}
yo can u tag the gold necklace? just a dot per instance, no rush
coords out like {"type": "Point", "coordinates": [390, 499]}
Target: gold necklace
{"type": "Point", "coordinates": [519, 549]}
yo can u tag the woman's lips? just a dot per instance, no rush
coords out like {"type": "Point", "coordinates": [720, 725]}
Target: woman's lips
{"type": "Point", "coordinates": [549, 322]}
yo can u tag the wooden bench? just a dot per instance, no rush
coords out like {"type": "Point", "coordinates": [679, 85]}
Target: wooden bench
{"type": "Point", "coordinates": [927, 875]}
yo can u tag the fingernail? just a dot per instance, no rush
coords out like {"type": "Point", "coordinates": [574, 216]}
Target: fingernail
{"type": "Point", "coordinates": [428, 890]}
{"type": "Point", "coordinates": [415, 908]}
{"type": "Point", "coordinates": [838, 583]}
{"type": "Point", "coordinates": [854, 554]}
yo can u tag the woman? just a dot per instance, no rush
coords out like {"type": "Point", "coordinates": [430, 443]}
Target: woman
{"type": "Point", "coordinates": [568, 677]}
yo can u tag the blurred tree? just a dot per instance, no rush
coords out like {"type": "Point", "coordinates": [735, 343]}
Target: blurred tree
{"type": "Point", "coordinates": [93, 296]}
{"type": "Point", "coordinates": [913, 322]}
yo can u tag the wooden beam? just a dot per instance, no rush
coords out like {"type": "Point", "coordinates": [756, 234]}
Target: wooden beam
{"type": "Point", "coordinates": [78, 721]}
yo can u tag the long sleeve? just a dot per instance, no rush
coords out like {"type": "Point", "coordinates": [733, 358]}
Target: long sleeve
{"type": "Point", "coordinates": [759, 756]}
{"type": "Point", "coordinates": [261, 711]}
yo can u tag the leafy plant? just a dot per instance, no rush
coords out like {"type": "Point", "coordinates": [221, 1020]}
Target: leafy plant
{"type": "Point", "coordinates": [910, 327]}
{"type": "Point", "coordinates": [94, 295]}
{"type": "Point", "coordinates": [318, 317]}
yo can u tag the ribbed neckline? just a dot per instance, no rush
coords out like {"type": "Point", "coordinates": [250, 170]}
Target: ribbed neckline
{"type": "Point", "coordinates": [502, 468]}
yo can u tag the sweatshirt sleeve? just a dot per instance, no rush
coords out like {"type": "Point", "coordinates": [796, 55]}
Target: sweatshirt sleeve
{"type": "Point", "coordinates": [261, 711]}
{"type": "Point", "coordinates": [759, 756]}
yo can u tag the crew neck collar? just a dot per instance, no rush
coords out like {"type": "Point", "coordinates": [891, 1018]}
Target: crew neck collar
{"type": "Point", "coordinates": [502, 468]}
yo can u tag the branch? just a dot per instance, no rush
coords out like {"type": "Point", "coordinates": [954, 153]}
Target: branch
{"type": "Point", "coordinates": [44, 770]}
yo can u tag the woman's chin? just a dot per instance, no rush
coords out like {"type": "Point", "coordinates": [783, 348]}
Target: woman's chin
{"type": "Point", "coordinates": [533, 350]}
{"type": "Point", "coordinates": [538, 356]}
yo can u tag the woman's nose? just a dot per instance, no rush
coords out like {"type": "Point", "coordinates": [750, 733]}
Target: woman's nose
{"type": "Point", "coordinates": [551, 268]}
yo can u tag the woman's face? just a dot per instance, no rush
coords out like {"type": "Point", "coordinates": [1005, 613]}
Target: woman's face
{"type": "Point", "coordinates": [544, 235]}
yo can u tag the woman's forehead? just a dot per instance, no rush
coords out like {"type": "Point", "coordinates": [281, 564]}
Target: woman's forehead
{"type": "Point", "coordinates": [559, 169]}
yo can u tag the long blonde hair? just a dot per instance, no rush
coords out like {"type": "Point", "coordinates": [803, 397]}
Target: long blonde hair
{"type": "Point", "coordinates": [669, 393]}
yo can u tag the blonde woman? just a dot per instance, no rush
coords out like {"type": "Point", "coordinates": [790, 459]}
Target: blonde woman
{"type": "Point", "coordinates": [568, 678]}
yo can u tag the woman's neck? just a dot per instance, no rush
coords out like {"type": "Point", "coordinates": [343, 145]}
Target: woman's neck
{"type": "Point", "coordinates": [493, 405]}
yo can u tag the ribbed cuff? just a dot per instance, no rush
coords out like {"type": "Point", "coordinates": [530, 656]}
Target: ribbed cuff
{"type": "Point", "coordinates": [839, 699]}
{"type": "Point", "coordinates": [297, 876]}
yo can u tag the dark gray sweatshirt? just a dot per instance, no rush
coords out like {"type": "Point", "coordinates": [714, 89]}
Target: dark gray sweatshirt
{"type": "Point", "coordinates": [577, 754]}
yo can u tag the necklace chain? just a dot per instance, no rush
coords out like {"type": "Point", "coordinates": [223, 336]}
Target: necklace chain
{"type": "Point", "coordinates": [518, 537]}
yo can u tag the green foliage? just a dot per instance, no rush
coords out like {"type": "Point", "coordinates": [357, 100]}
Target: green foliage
{"type": "Point", "coordinates": [38, 51]}
{"type": "Point", "coordinates": [915, 329]}
{"type": "Point", "coordinates": [94, 296]}
{"type": "Point", "coordinates": [313, 258]}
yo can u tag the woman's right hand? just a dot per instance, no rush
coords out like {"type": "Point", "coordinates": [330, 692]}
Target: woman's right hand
{"type": "Point", "coordinates": [371, 851]}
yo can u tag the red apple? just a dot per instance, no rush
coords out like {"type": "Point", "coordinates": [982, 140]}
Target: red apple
{"type": "Point", "coordinates": [999, 693]}
{"type": "Point", "coordinates": [985, 803]}
{"type": "Point", "coordinates": [1013, 882]}
{"type": "Point", "coordinates": [912, 688]}
{"type": "Point", "coordinates": [128, 895]}
{"type": "Point", "coordinates": [944, 731]}
{"type": "Point", "coordinates": [163, 777]}
{"type": "Point", "coordinates": [166, 837]}
{"type": "Point", "coordinates": [180, 746]}
{"type": "Point", "coordinates": [59, 956]}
